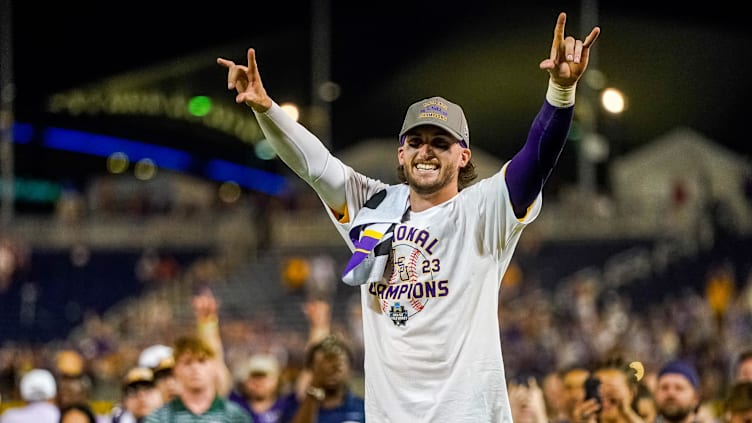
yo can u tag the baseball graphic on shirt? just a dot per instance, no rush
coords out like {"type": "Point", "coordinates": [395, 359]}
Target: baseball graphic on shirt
{"type": "Point", "coordinates": [410, 286]}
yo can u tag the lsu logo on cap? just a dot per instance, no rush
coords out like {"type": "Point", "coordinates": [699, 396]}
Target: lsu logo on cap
{"type": "Point", "coordinates": [434, 109]}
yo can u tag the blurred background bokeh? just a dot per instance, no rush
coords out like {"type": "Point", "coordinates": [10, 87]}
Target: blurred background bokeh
{"type": "Point", "coordinates": [131, 179]}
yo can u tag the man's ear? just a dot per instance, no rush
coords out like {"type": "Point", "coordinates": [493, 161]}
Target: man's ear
{"type": "Point", "coordinates": [400, 153]}
{"type": "Point", "coordinates": [466, 155]}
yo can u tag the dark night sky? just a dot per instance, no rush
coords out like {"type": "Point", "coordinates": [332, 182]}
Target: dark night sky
{"type": "Point", "coordinates": [679, 65]}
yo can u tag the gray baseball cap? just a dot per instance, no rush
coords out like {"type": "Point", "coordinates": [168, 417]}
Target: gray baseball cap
{"type": "Point", "coordinates": [440, 112]}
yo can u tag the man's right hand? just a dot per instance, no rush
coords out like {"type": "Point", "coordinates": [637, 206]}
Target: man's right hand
{"type": "Point", "coordinates": [569, 57]}
{"type": "Point", "coordinates": [246, 80]}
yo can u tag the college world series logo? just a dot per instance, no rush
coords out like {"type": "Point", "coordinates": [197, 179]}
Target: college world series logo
{"type": "Point", "coordinates": [398, 314]}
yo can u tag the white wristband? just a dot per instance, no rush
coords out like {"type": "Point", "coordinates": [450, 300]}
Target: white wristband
{"type": "Point", "coordinates": [560, 96]}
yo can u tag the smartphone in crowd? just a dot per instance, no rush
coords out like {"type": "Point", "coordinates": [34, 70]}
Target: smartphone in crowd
{"type": "Point", "coordinates": [592, 384]}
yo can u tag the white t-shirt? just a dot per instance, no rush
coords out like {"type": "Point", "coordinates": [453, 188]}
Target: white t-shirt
{"type": "Point", "coordinates": [37, 412]}
{"type": "Point", "coordinates": [431, 332]}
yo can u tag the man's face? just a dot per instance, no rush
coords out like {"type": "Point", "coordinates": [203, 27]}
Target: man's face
{"type": "Point", "coordinates": [72, 390]}
{"type": "Point", "coordinates": [167, 385]}
{"type": "Point", "coordinates": [675, 397]}
{"type": "Point", "coordinates": [74, 416]}
{"type": "Point", "coordinates": [142, 399]}
{"type": "Point", "coordinates": [260, 386]}
{"type": "Point", "coordinates": [553, 388]}
{"type": "Point", "coordinates": [194, 373]}
{"type": "Point", "coordinates": [744, 372]}
{"type": "Point", "coordinates": [432, 159]}
{"type": "Point", "coordinates": [331, 369]}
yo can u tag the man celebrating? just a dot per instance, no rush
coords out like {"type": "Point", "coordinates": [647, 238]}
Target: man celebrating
{"type": "Point", "coordinates": [429, 253]}
{"type": "Point", "coordinates": [198, 400]}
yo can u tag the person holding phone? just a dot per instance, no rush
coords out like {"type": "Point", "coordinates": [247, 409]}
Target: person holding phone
{"type": "Point", "coordinates": [573, 380]}
{"type": "Point", "coordinates": [588, 408]}
{"type": "Point", "coordinates": [610, 393]}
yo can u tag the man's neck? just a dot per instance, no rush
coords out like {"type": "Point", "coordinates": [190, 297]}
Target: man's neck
{"type": "Point", "coordinates": [691, 418]}
{"type": "Point", "coordinates": [421, 202]}
{"type": "Point", "coordinates": [261, 405]}
{"type": "Point", "coordinates": [335, 397]}
{"type": "Point", "coordinates": [198, 402]}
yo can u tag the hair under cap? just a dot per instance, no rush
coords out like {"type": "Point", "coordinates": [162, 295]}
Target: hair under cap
{"type": "Point", "coordinates": [437, 111]}
{"type": "Point", "coordinates": [682, 368]}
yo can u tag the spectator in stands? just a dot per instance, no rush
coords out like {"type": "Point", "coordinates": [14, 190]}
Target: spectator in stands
{"type": "Point", "coordinates": [73, 382]}
{"type": "Point", "coordinates": [140, 396]}
{"type": "Point", "coordinates": [259, 388]}
{"type": "Point", "coordinates": [553, 387]}
{"type": "Point", "coordinates": [527, 402]}
{"type": "Point", "coordinates": [328, 397]}
{"type": "Point", "coordinates": [618, 388]}
{"type": "Point", "coordinates": [573, 393]}
{"type": "Point", "coordinates": [319, 316]}
{"type": "Point", "coordinates": [677, 393]}
{"type": "Point", "coordinates": [165, 380]}
{"type": "Point", "coordinates": [205, 311]}
{"type": "Point", "coordinates": [743, 367]}
{"type": "Point", "coordinates": [644, 403]}
{"type": "Point", "coordinates": [38, 388]}
{"type": "Point", "coordinates": [260, 392]}
{"type": "Point", "coordinates": [69, 362]}
{"type": "Point", "coordinates": [159, 359]}
{"type": "Point", "coordinates": [198, 400]}
{"type": "Point", "coordinates": [738, 403]}
{"type": "Point", "coordinates": [77, 413]}
{"type": "Point", "coordinates": [76, 390]}
{"type": "Point", "coordinates": [73, 389]}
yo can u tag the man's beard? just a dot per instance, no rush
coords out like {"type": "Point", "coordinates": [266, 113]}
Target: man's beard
{"type": "Point", "coordinates": [675, 413]}
{"type": "Point", "coordinates": [444, 179]}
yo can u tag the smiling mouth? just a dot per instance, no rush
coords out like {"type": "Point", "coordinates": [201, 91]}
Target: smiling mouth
{"type": "Point", "coordinates": [426, 167]}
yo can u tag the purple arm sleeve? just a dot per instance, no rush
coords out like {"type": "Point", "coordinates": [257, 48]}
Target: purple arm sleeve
{"type": "Point", "coordinates": [532, 165]}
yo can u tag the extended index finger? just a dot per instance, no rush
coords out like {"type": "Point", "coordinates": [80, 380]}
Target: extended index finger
{"type": "Point", "coordinates": [252, 66]}
{"type": "Point", "coordinates": [558, 35]}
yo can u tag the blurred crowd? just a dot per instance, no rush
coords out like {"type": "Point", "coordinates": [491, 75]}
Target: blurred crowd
{"type": "Point", "coordinates": [194, 370]}
{"type": "Point", "coordinates": [112, 366]}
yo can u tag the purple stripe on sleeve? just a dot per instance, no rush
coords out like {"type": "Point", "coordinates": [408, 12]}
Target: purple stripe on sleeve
{"type": "Point", "coordinates": [532, 165]}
